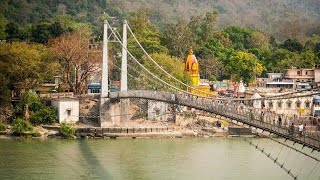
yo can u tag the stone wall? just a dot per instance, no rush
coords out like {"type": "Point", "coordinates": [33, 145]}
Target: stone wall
{"type": "Point", "coordinates": [89, 109]}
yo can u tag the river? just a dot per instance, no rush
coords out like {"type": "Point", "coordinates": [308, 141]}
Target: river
{"type": "Point", "coordinates": [217, 158]}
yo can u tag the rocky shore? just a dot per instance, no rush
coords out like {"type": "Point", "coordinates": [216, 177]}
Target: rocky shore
{"type": "Point", "coordinates": [183, 127]}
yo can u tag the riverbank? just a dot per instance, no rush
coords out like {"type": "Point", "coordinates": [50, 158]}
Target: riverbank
{"type": "Point", "coordinates": [200, 126]}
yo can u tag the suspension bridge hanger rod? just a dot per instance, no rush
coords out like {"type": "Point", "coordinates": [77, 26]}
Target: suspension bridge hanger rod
{"type": "Point", "coordinates": [113, 32]}
{"type": "Point", "coordinates": [168, 74]}
{"type": "Point", "coordinates": [186, 85]}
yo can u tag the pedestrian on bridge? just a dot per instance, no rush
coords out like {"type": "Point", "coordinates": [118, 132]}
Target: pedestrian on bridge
{"type": "Point", "coordinates": [291, 129]}
{"type": "Point", "coordinates": [279, 121]}
{"type": "Point", "coordinates": [300, 129]}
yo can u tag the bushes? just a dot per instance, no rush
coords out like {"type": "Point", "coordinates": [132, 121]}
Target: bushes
{"type": "Point", "coordinates": [3, 127]}
{"type": "Point", "coordinates": [45, 115]}
{"type": "Point", "coordinates": [40, 114]}
{"type": "Point", "coordinates": [32, 100]}
{"type": "Point", "coordinates": [21, 126]}
{"type": "Point", "coordinates": [67, 131]}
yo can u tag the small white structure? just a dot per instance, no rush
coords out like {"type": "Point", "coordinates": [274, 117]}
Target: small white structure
{"type": "Point", "coordinates": [68, 109]}
{"type": "Point", "coordinates": [257, 102]}
{"type": "Point", "coordinates": [241, 90]}
{"type": "Point", "coordinates": [157, 110]}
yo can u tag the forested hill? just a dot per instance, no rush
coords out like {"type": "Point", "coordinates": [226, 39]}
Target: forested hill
{"type": "Point", "coordinates": [284, 19]}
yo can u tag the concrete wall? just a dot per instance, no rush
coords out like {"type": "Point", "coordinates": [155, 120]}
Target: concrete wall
{"type": "Point", "coordinates": [68, 110]}
{"type": "Point", "coordinates": [113, 112]}
{"type": "Point", "coordinates": [293, 110]}
{"type": "Point", "coordinates": [317, 75]}
{"type": "Point", "coordinates": [89, 109]}
{"type": "Point", "coordinates": [157, 111]}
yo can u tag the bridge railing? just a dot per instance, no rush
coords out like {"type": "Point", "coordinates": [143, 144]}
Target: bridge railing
{"type": "Point", "coordinates": [247, 116]}
{"type": "Point", "coordinates": [232, 110]}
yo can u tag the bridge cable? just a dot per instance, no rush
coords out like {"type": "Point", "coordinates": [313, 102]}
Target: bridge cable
{"type": "Point", "coordinates": [145, 67]}
{"type": "Point", "coordinates": [289, 150]}
{"type": "Point", "coordinates": [177, 80]}
{"type": "Point", "coordinates": [160, 67]}
{"type": "Point", "coordinates": [273, 159]}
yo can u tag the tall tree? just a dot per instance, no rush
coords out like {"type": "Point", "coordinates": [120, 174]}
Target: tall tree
{"type": "Point", "coordinates": [179, 39]}
{"type": "Point", "coordinates": [12, 31]}
{"type": "Point", "coordinates": [172, 65]}
{"type": "Point", "coordinates": [77, 60]}
{"type": "Point", "coordinates": [146, 32]}
{"type": "Point", "coordinates": [244, 66]}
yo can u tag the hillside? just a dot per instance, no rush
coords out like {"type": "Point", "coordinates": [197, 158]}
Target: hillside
{"type": "Point", "coordinates": [284, 19]}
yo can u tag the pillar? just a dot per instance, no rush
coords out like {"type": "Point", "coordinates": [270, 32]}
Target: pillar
{"type": "Point", "coordinates": [104, 81]}
{"type": "Point", "coordinates": [124, 64]}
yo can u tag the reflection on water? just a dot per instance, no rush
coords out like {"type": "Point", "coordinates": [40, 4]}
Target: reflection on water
{"type": "Point", "coordinates": [220, 158]}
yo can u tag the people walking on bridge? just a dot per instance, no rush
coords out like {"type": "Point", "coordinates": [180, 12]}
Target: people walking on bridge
{"type": "Point", "coordinates": [304, 129]}
{"type": "Point", "coordinates": [291, 129]}
{"type": "Point", "coordinates": [279, 121]}
{"type": "Point", "coordinates": [300, 129]}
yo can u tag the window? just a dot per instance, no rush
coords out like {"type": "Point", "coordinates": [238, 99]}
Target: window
{"type": "Point", "coordinates": [289, 104]}
{"type": "Point", "coordinates": [270, 104]}
{"type": "Point", "coordinates": [307, 103]}
{"type": "Point", "coordinates": [69, 111]}
{"type": "Point", "coordinates": [298, 103]}
{"type": "Point", "coordinates": [95, 91]}
{"type": "Point", "coordinates": [279, 104]}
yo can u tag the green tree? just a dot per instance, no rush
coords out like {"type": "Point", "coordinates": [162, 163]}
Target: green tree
{"type": "Point", "coordinates": [46, 115]}
{"type": "Point", "coordinates": [3, 23]}
{"type": "Point", "coordinates": [20, 126]}
{"type": "Point", "coordinates": [26, 64]}
{"type": "Point", "coordinates": [56, 29]}
{"type": "Point", "coordinates": [30, 99]}
{"type": "Point", "coordinates": [172, 65]}
{"type": "Point", "coordinates": [12, 31]}
{"type": "Point", "coordinates": [5, 94]}
{"type": "Point", "coordinates": [211, 68]}
{"type": "Point", "coordinates": [146, 32]}
{"type": "Point", "coordinates": [203, 27]}
{"type": "Point", "coordinates": [292, 45]}
{"type": "Point", "coordinates": [179, 38]}
{"type": "Point", "coordinates": [41, 32]}
{"type": "Point", "coordinates": [244, 66]}
{"type": "Point", "coordinates": [239, 36]}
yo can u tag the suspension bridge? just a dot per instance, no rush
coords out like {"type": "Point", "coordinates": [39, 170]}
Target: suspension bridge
{"type": "Point", "coordinates": [231, 109]}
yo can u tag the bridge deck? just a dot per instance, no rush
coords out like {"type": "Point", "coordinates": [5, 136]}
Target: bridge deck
{"type": "Point", "coordinates": [231, 111]}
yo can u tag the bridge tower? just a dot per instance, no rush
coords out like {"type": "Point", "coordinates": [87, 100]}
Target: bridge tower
{"type": "Point", "coordinates": [112, 111]}
{"type": "Point", "coordinates": [104, 81]}
{"type": "Point", "coordinates": [124, 63]}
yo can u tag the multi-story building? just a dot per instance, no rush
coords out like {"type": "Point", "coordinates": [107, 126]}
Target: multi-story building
{"type": "Point", "coordinates": [298, 75]}
{"type": "Point", "coordinates": [294, 78]}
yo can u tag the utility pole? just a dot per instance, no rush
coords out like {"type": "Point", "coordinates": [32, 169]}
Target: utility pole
{"type": "Point", "coordinates": [104, 81]}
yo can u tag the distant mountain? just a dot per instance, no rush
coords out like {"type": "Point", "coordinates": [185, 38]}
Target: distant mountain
{"type": "Point", "coordinates": [283, 18]}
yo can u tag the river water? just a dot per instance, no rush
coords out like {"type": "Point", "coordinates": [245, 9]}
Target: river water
{"type": "Point", "coordinates": [218, 158]}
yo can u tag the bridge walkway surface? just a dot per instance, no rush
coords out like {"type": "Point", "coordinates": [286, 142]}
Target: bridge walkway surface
{"type": "Point", "coordinates": [231, 111]}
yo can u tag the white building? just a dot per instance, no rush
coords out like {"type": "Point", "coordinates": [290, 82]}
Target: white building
{"type": "Point", "coordinates": [68, 109]}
